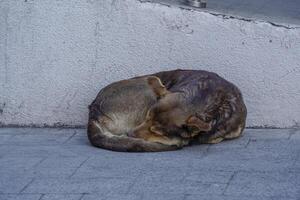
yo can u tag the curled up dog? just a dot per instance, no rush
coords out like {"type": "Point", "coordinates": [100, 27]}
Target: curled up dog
{"type": "Point", "coordinates": [166, 111]}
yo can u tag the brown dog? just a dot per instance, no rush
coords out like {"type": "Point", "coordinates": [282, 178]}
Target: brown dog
{"type": "Point", "coordinates": [165, 111]}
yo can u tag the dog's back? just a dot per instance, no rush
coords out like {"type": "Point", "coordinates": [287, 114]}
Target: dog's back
{"type": "Point", "coordinates": [116, 111]}
{"type": "Point", "coordinates": [123, 105]}
{"type": "Point", "coordinates": [175, 98]}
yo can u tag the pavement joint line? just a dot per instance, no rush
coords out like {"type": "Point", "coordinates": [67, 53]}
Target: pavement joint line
{"type": "Point", "coordinates": [291, 133]}
{"type": "Point", "coordinates": [41, 197]}
{"type": "Point", "coordinates": [294, 163]}
{"type": "Point", "coordinates": [37, 164]}
{"type": "Point", "coordinates": [206, 152]}
{"type": "Point", "coordinates": [185, 196]}
{"type": "Point", "coordinates": [26, 186]}
{"type": "Point", "coordinates": [78, 167]}
{"type": "Point", "coordinates": [248, 142]}
{"type": "Point", "coordinates": [69, 138]}
{"type": "Point", "coordinates": [229, 179]}
{"type": "Point", "coordinates": [228, 183]}
{"type": "Point", "coordinates": [82, 195]}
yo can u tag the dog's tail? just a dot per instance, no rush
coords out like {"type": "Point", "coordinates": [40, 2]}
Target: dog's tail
{"type": "Point", "coordinates": [100, 137]}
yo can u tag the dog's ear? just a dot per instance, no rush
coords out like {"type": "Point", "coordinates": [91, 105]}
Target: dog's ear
{"type": "Point", "coordinates": [194, 124]}
{"type": "Point", "coordinates": [158, 88]}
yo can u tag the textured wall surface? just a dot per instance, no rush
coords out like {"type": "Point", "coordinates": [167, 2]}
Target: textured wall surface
{"type": "Point", "coordinates": [55, 55]}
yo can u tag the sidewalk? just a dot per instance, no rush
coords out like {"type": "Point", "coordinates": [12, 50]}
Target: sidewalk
{"type": "Point", "coordinates": [60, 164]}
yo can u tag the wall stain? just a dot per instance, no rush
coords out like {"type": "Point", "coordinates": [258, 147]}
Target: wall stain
{"type": "Point", "coordinates": [21, 105]}
{"type": "Point", "coordinates": [2, 108]}
{"type": "Point", "coordinates": [177, 25]}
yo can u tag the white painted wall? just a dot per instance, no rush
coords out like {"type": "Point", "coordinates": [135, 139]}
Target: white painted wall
{"type": "Point", "coordinates": [55, 55]}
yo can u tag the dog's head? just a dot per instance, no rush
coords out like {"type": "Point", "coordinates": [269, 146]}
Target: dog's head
{"type": "Point", "coordinates": [168, 116]}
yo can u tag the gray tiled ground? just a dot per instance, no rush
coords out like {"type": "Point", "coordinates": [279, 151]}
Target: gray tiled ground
{"type": "Point", "coordinates": [51, 164]}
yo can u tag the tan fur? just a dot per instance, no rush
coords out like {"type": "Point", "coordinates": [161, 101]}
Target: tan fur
{"type": "Point", "coordinates": [165, 111]}
{"type": "Point", "coordinates": [234, 134]}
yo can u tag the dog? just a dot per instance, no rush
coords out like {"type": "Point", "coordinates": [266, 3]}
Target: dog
{"type": "Point", "coordinates": [166, 111]}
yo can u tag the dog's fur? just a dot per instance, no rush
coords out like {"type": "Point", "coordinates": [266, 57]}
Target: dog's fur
{"type": "Point", "coordinates": [165, 111]}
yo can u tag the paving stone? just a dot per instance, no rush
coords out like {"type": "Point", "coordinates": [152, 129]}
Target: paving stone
{"type": "Point", "coordinates": [5, 138]}
{"type": "Point", "coordinates": [38, 173]}
{"type": "Point", "coordinates": [112, 197]}
{"type": "Point", "coordinates": [50, 172]}
{"type": "Point", "coordinates": [43, 139]}
{"type": "Point", "coordinates": [78, 140]}
{"type": "Point", "coordinates": [296, 164]}
{"type": "Point", "coordinates": [114, 159]}
{"type": "Point", "coordinates": [100, 172]}
{"type": "Point", "coordinates": [120, 165]}
{"type": "Point", "coordinates": [13, 184]}
{"type": "Point", "coordinates": [56, 167]}
{"type": "Point", "coordinates": [278, 145]}
{"type": "Point", "coordinates": [163, 175]}
{"type": "Point", "coordinates": [93, 197]}
{"type": "Point", "coordinates": [61, 164]}
{"type": "Point", "coordinates": [230, 197]}
{"type": "Point", "coordinates": [7, 163]}
{"type": "Point", "coordinates": [13, 173]}
{"type": "Point", "coordinates": [279, 185]}
{"type": "Point", "coordinates": [78, 186]}
{"type": "Point", "coordinates": [209, 176]}
{"type": "Point", "coordinates": [295, 135]}
{"type": "Point", "coordinates": [268, 134]}
{"type": "Point", "coordinates": [81, 132]}
{"type": "Point", "coordinates": [191, 187]}
{"type": "Point", "coordinates": [61, 197]}
{"type": "Point", "coordinates": [49, 131]}
{"type": "Point", "coordinates": [197, 152]}
{"type": "Point", "coordinates": [86, 150]}
{"type": "Point", "coordinates": [36, 151]}
{"type": "Point", "coordinates": [42, 136]}
{"type": "Point", "coordinates": [20, 196]}
{"type": "Point", "coordinates": [38, 131]}
{"type": "Point", "coordinates": [163, 197]}
{"type": "Point", "coordinates": [11, 131]}
{"type": "Point", "coordinates": [282, 148]}
{"type": "Point", "coordinates": [244, 159]}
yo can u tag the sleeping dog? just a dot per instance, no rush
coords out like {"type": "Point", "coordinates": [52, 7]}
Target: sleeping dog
{"type": "Point", "coordinates": [166, 111]}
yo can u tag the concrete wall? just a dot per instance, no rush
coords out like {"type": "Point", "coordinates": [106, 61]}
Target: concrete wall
{"type": "Point", "coordinates": [55, 55]}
